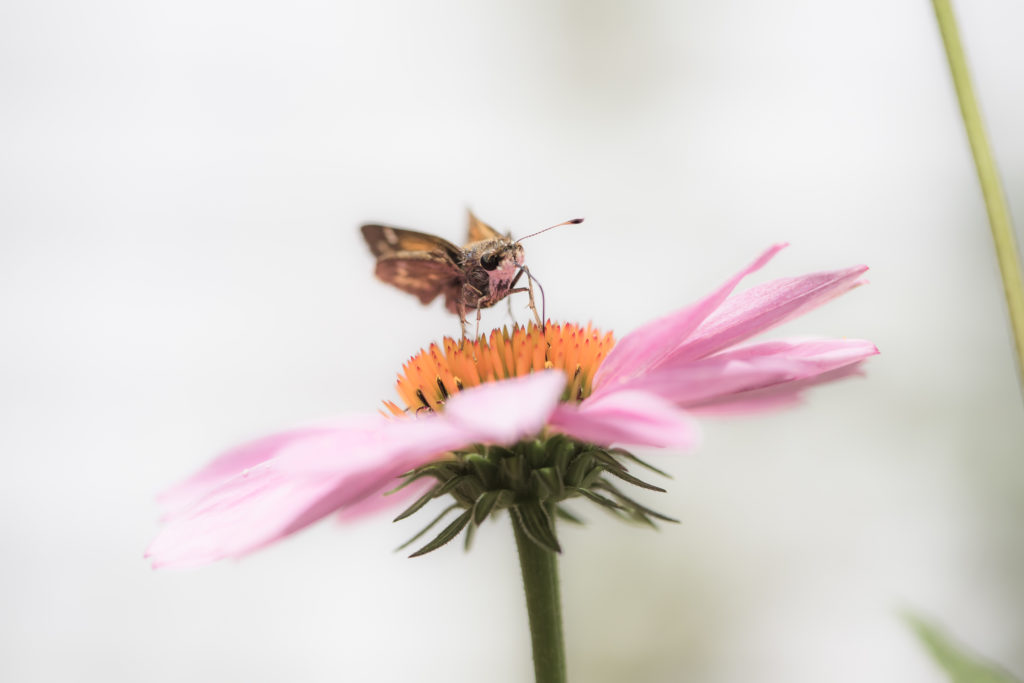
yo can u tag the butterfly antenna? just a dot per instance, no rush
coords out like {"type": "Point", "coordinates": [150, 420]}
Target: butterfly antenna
{"type": "Point", "coordinates": [574, 221]}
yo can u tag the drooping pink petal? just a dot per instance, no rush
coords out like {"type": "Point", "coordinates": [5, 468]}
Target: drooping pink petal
{"type": "Point", "coordinates": [632, 418]}
{"type": "Point", "coordinates": [246, 512]}
{"type": "Point", "coordinates": [649, 344]}
{"type": "Point", "coordinates": [739, 371]}
{"type": "Point", "coordinates": [242, 457]}
{"type": "Point", "coordinates": [506, 411]}
{"type": "Point", "coordinates": [308, 478]}
{"type": "Point", "coordinates": [764, 306]}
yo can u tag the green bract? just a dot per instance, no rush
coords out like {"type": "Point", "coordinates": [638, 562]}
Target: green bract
{"type": "Point", "coordinates": [532, 479]}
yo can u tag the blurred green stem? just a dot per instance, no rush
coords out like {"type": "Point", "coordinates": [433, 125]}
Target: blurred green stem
{"type": "Point", "coordinates": [544, 605]}
{"type": "Point", "coordinates": [991, 188]}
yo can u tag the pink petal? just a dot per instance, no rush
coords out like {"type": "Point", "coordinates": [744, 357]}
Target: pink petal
{"type": "Point", "coordinates": [237, 459]}
{"type": "Point", "coordinates": [773, 397]}
{"type": "Point", "coordinates": [739, 371]}
{"type": "Point", "coordinates": [650, 343]}
{"type": "Point", "coordinates": [366, 447]}
{"type": "Point", "coordinates": [310, 477]}
{"type": "Point", "coordinates": [765, 306]}
{"type": "Point", "coordinates": [509, 410]}
{"type": "Point", "coordinates": [627, 417]}
{"type": "Point", "coordinates": [246, 512]}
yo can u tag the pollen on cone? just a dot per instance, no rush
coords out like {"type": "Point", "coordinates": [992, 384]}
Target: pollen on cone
{"type": "Point", "coordinates": [432, 375]}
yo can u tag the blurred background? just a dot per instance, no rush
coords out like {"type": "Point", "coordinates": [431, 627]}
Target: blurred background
{"type": "Point", "coordinates": [180, 268]}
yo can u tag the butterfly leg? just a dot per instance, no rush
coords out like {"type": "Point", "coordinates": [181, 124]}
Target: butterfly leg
{"type": "Point", "coordinates": [462, 318]}
{"type": "Point", "coordinates": [470, 293]}
{"type": "Point", "coordinates": [512, 290]}
{"type": "Point", "coordinates": [515, 290]}
{"type": "Point", "coordinates": [533, 305]}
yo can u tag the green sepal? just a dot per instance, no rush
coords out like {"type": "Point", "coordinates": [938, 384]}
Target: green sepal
{"type": "Point", "coordinates": [643, 463]}
{"type": "Point", "coordinates": [560, 452]}
{"type": "Point", "coordinates": [485, 470]}
{"type": "Point", "coordinates": [536, 454]}
{"type": "Point", "coordinates": [513, 469]}
{"type": "Point", "coordinates": [446, 535]}
{"type": "Point", "coordinates": [537, 525]}
{"type": "Point", "coordinates": [632, 505]}
{"type": "Point", "coordinates": [420, 502]}
{"type": "Point", "coordinates": [591, 477]}
{"type": "Point", "coordinates": [539, 488]}
{"type": "Point", "coordinates": [428, 527]}
{"type": "Point", "coordinates": [408, 478]}
{"type": "Point", "coordinates": [467, 540]}
{"type": "Point", "coordinates": [468, 491]}
{"type": "Point", "coordinates": [578, 468]}
{"type": "Point", "coordinates": [562, 513]}
{"type": "Point", "coordinates": [627, 477]}
{"type": "Point", "coordinates": [484, 504]}
{"type": "Point", "coordinates": [428, 470]}
{"type": "Point", "coordinates": [599, 499]}
{"type": "Point", "coordinates": [607, 459]}
{"type": "Point", "coordinates": [442, 469]}
{"type": "Point", "coordinates": [547, 483]}
{"type": "Point", "coordinates": [505, 499]}
{"type": "Point", "coordinates": [496, 453]}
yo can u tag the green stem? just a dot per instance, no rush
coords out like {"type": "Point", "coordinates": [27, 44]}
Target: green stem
{"type": "Point", "coordinates": [539, 567]}
{"type": "Point", "coordinates": [995, 202]}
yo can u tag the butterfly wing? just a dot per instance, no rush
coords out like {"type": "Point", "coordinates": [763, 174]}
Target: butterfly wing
{"type": "Point", "coordinates": [385, 240]}
{"type": "Point", "coordinates": [415, 262]}
{"type": "Point", "coordinates": [420, 276]}
{"type": "Point", "coordinates": [480, 231]}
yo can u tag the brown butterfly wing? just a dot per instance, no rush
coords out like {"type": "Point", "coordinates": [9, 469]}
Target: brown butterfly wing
{"type": "Point", "coordinates": [385, 240]}
{"type": "Point", "coordinates": [421, 264]}
{"type": "Point", "coordinates": [479, 231]}
{"type": "Point", "coordinates": [419, 274]}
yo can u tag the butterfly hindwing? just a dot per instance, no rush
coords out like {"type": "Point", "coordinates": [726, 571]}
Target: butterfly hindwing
{"type": "Point", "coordinates": [418, 274]}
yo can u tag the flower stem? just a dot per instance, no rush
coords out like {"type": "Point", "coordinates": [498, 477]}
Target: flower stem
{"type": "Point", "coordinates": [539, 567]}
{"type": "Point", "coordinates": [991, 188]}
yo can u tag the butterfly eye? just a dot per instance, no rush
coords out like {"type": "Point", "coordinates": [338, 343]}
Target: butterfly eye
{"type": "Point", "coordinates": [490, 261]}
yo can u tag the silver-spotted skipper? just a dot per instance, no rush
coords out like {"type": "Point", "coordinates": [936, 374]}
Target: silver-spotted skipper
{"type": "Point", "coordinates": [475, 276]}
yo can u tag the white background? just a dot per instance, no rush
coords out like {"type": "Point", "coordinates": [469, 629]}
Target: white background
{"type": "Point", "coordinates": [180, 187]}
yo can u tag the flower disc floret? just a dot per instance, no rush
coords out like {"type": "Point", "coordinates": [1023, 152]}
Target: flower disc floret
{"type": "Point", "coordinates": [434, 374]}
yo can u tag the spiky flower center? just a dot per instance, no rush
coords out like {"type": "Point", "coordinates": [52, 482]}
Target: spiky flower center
{"type": "Point", "coordinates": [432, 375]}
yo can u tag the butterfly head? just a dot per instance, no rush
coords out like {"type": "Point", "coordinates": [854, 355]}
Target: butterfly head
{"type": "Point", "coordinates": [501, 261]}
{"type": "Point", "coordinates": [502, 256]}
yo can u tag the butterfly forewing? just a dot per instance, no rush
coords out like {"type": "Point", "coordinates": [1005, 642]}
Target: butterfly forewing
{"type": "Point", "coordinates": [384, 240]}
{"type": "Point", "coordinates": [480, 231]}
